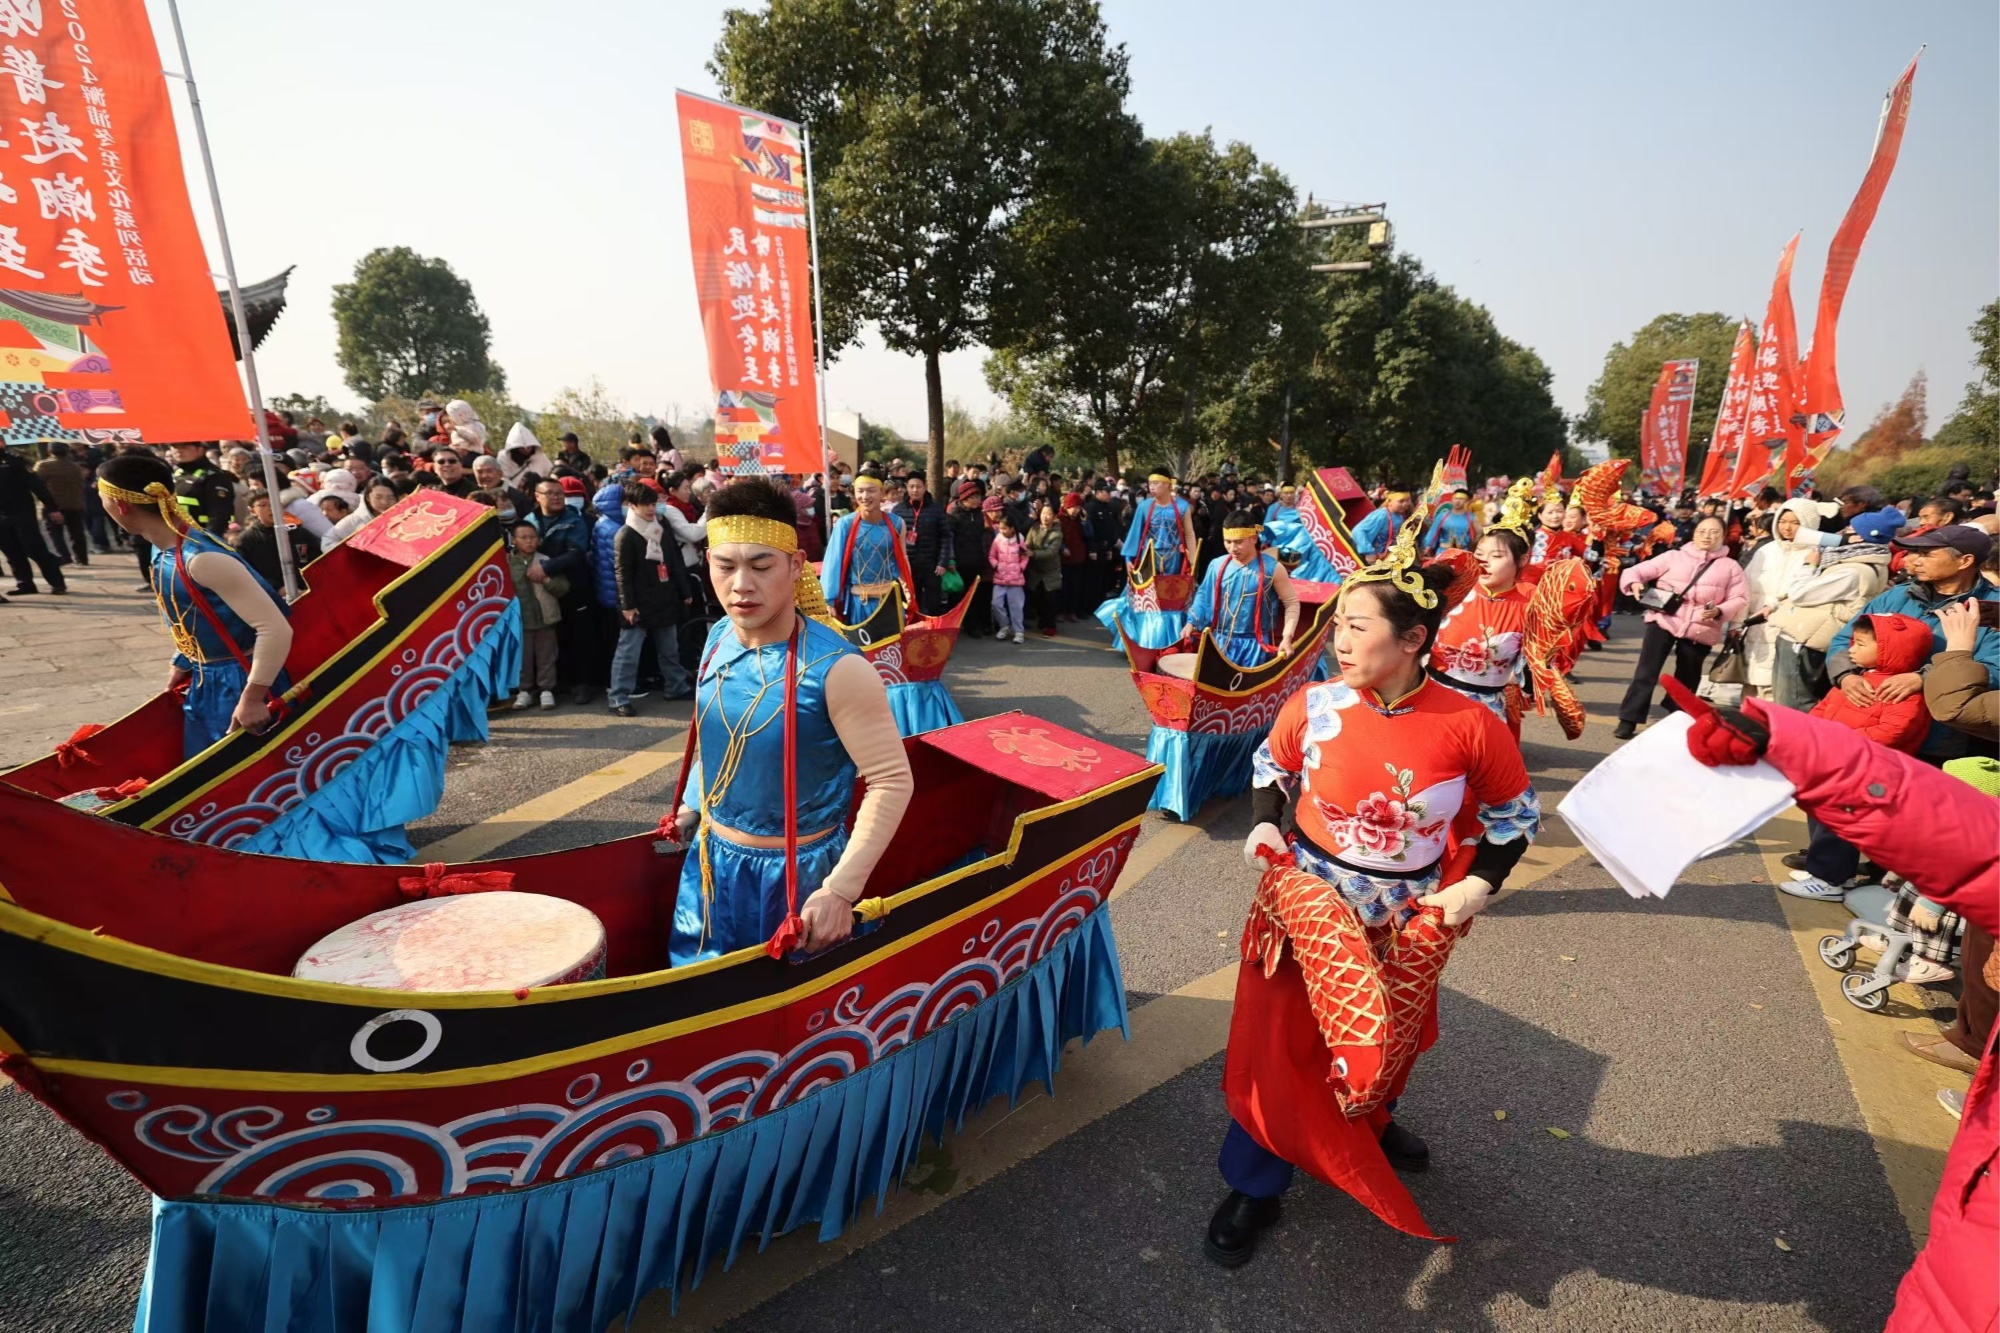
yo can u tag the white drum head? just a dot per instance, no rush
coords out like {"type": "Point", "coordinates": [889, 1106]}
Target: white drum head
{"type": "Point", "coordinates": [465, 942]}
{"type": "Point", "coordinates": [1178, 664]}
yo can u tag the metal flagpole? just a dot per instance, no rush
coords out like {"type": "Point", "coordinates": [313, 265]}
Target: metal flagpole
{"type": "Point", "coordinates": [186, 76]}
{"type": "Point", "coordinates": [819, 318]}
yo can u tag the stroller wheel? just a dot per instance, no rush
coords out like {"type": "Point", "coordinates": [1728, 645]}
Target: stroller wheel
{"type": "Point", "coordinates": [1854, 985]}
{"type": "Point", "coordinates": [1836, 951]}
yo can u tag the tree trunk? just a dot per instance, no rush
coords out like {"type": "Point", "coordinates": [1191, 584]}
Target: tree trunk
{"type": "Point", "coordinates": [1111, 468]}
{"type": "Point", "coordinates": [934, 422]}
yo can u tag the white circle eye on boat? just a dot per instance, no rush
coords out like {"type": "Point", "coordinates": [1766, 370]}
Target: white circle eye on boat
{"type": "Point", "coordinates": [433, 1033]}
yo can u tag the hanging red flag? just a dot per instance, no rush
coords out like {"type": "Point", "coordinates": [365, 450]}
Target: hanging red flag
{"type": "Point", "coordinates": [1822, 402]}
{"type": "Point", "coordinates": [1663, 433]}
{"type": "Point", "coordinates": [1773, 434]}
{"type": "Point", "coordinates": [1719, 467]}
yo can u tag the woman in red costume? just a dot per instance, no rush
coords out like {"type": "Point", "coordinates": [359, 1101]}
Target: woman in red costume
{"type": "Point", "coordinates": [1478, 651]}
{"type": "Point", "coordinates": [1410, 797]}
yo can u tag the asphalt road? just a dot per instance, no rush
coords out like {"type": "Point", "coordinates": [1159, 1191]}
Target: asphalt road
{"type": "Point", "coordinates": [1677, 1043]}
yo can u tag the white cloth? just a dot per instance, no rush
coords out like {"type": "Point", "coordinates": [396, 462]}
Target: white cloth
{"type": "Point", "coordinates": [309, 515]}
{"type": "Point", "coordinates": [654, 532]}
{"type": "Point", "coordinates": [536, 463]}
{"type": "Point", "coordinates": [467, 430]}
{"type": "Point", "coordinates": [1689, 809]}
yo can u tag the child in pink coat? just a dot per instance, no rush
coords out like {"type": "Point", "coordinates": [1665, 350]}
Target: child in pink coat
{"type": "Point", "coordinates": [1008, 557]}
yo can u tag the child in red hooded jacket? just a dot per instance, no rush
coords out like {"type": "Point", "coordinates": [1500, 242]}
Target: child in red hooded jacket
{"type": "Point", "coordinates": [1885, 646]}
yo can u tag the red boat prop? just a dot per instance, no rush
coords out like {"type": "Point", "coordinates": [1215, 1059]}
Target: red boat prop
{"type": "Point", "coordinates": [1208, 723]}
{"type": "Point", "coordinates": [329, 1155]}
{"type": "Point", "coordinates": [910, 656]}
{"type": "Point", "coordinates": [409, 629]}
{"type": "Point", "coordinates": [1153, 606]}
{"type": "Point", "coordinates": [1315, 540]}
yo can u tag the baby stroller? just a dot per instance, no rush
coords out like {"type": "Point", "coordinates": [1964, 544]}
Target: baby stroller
{"type": "Point", "coordinates": [1899, 941]}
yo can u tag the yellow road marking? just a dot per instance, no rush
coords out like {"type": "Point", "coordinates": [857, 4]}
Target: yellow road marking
{"type": "Point", "coordinates": [1897, 1092]}
{"type": "Point", "coordinates": [481, 839]}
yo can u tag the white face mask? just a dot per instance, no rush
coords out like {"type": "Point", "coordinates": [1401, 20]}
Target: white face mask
{"type": "Point", "coordinates": [573, 501]}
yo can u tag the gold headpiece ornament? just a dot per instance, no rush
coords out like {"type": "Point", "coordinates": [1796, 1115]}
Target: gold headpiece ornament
{"type": "Point", "coordinates": [156, 495]}
{"type": "Point", "coordinates": [782, 537]}
{"type": "Point", "coordinates": [1399, 565]}
{"type": "Point", "coordinates": [1517, 511]}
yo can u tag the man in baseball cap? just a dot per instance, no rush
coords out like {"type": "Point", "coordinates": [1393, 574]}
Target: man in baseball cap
{"type": "Point", "coordinates": [1943, 567]}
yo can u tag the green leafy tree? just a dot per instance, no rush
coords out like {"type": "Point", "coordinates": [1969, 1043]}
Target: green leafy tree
{"type": "Point", "coordinates": [934, 123]}
{"type": "Point", "coordinates": [1139, 290]}
{"type": "Point", "coordinates": [410, 326]}
{"type": "Point", "coordinates": [1975, 426]}
{"type": "Point", "coordinates": [1387, 369]}
{"type": "Point", "coordinates": [602, 424]}
{"type": "Point", "coordinates": [1618, 400]}
{"type": "Point", "coordinates": [307, 406]}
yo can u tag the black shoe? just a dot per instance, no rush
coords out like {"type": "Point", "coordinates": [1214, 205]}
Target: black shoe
{"type": "Point", "coordinates": [1593, 645]}
{"type": "Point", "coordinates": [1405, 1151]}
{"type": "Point", "coordinates": [624, 710]}
{"type": "Point", "coordinates": [58, 588]}
{"type": "Point", "coordinates": [1793, 860]}
{"type": "Point", "coordinates": [1232, 1232]}
{"type": "Point", "coordinates": [583, 695]}
{"type": "Point", "coordinates": [1624, 731]}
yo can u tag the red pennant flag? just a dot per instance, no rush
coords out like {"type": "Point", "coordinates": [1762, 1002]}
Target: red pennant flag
{"type": "Point", "coordinates": [1823, 407]}
{"type": "Point", "coordinates": [1773, 441]}
{"type": "Point", "coordinates": [1719, 467]}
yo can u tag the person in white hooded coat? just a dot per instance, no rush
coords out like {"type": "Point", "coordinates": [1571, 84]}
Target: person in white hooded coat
{"type": "Point", "coordinates": [1771, 572]}
{"type": "Point", "coordinates": [522, 461]}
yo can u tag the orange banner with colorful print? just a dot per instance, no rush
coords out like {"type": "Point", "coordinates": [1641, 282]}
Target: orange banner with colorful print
{"type": "Point", "coordinates": [747, 228]}
{"type": "Point", "coordinates": [110, 330]}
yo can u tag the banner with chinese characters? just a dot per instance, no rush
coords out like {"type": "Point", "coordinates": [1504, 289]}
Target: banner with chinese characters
{"type": "Point", "coordinates": [753, 280]}
{"type": "Point", "coordinates": [1774, 433]}
{"type": "Point", "coordinates": [1663, 433]}
{"type": "Point", "coordinates": [1719, 467]}
{"type": "Point", "coordinates": [109, 326]}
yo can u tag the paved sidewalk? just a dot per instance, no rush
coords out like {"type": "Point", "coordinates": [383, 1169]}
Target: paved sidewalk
{"type": "Point", "coordinates": [92, 655]}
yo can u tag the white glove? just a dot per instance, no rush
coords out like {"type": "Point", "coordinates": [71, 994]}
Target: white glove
{"type": "Point", "coordinates": [1264, 843]}
{"type": "Point", "coordinates": [1925, 918]}
{"type": "Point", "coordinates": [1461, 901]}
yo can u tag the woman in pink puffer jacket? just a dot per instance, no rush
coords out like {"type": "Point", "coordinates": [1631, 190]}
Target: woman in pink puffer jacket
{"type": "Point", "coordinates": [1713, 592]}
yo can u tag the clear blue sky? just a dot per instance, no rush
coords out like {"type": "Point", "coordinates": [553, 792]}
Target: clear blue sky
{"type": "Point", "coordinates": [1577, 168]}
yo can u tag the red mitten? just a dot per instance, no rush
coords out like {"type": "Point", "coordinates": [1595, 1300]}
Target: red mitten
{"type": "Point", "coordinates": [1721, 735]}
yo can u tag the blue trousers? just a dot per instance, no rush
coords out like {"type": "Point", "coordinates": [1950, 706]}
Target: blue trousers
{"type": "Point", "coordinates": [1251, 1168]}
{"type": "Point", "coordinates": [625, 662]}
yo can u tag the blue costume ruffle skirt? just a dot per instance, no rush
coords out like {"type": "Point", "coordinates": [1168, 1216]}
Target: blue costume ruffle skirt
{"type": "Point", "coordinates": [1148, 629]}
{"type": "Point", "coordinates": [1199, 765]}
{"type": "Point", "coordinates": [570, 1257]}
{"type": "Point", "coordinates": [922, 705]}
{"type": "Point", "coordinates": [746, 896]}
{"type": "Point", "coordinates": [358, 814]}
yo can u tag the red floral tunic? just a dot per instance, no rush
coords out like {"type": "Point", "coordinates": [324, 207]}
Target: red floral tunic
{"type": "Point", "coordinates": [1478, 647]}
{"type": "Point", "coordinates": [1394, 792]}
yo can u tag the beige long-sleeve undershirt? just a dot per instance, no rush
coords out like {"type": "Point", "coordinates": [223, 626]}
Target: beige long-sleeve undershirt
{"type": "Point", "coordinates": [238, 588]}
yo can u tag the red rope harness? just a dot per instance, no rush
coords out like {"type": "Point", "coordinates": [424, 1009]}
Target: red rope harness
{"type": "Point", "coordinates": [902, 558]}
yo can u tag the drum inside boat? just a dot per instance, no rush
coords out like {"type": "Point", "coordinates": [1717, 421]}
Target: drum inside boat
{"type": "Point", "coordinates": [1178, 664]}
{"type": "Point", "coordinates": [466, 942]}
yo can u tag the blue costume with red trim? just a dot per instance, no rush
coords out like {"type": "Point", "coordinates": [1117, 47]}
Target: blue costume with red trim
{"type": "Point", "coordinates": [222, 640]}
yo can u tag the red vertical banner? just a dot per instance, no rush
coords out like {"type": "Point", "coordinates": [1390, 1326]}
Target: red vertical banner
{"type": "Point", "coordinates": [1719, 467]}
{"type": "Point", "coordinates": [1773, 435]}
{"type": "Point", "coordinates": [109, 326]}
{"type": "Point", "coordinates": [1663, 434]}
{"type": "Point", "coordinates": [753, 280]}
{"type": "Point", "coordinates": [1823, 407]}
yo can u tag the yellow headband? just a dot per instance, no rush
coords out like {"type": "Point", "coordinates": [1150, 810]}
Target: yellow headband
{"type": "Point", "coordinates": [157, 495]}
{"type": "Point", "coordinates": [1161, 476]}
{"type": "Point", "coordinates": [1394, 496]}
{"type": "Point", "coordinates": [757, 531]}
{"type": "Point", "coordinates": [866, 482]}
{"type": "Point", "coordinates": [1237, 534]}
{"type": "Point", "coordinates": [807, 595]}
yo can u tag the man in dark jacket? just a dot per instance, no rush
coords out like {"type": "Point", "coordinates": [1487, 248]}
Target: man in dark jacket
{"type": "Point", "coordinates": [929, 536]}
{"type": "Point", "coordinates": [63, 525]}
{"type": "Point", "coordinates": [20, 534]}
{"type": "Point", "coordinates": [1106, 520]}
{"type": "Point", "coordinates": [969, 541]}
{"type": "Point", "coordinates": [654, 595]}
{"type": "Point", "coordinates": [204, 490]}
{"type": "Point", "coordinates": [565, 551]}
{"type": "Point", "coordinates": [258, 543]}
